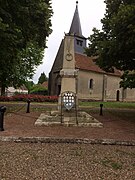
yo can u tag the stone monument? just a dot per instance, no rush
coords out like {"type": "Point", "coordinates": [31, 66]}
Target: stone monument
{"type": "Point", "coordinates": [68, 96]}
{"type": "Point", "coordinates": [67, 113]}
{"type": "Point", "coordinates": [68, 75]}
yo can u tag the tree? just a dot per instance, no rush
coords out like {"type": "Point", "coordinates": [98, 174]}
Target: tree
{"type": "Point", "coordinates": [29, 85]}
{"type": "Point", "coordinates": [114, 45]}
{"type": "Point", "coordinates": [42, 78]}
{"type": "Point", "coordinates": [39, 89]}
{"type": "Point", "coordinates": [24, 27]}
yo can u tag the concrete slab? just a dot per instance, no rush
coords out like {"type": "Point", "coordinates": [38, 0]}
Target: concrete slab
{"type": "Point", "coordinates": [53, 118]}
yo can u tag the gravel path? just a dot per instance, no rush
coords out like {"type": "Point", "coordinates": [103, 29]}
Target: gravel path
{"type": "Point", "coordinates": [63, 161]}
{"type": "Point", "coordinates": [21, 124]}
{"type": "Point", "coordinates": [66, 161]}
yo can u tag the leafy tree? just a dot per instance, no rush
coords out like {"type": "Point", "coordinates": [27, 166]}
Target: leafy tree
{"type": "Point", "coordinates": [42, 78]}
{"type": "Point", "coordinates": [39, 89]}
{"type": "Point", "coordinates": [29, 85]}
{"type": "Point", "coordinates": [24, 26]}
{"type": "Point", "coordinates": [114, 45]}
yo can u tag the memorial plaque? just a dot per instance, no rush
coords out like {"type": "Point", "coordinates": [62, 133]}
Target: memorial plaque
{"type": "Point", "coordinates": [68, 100]}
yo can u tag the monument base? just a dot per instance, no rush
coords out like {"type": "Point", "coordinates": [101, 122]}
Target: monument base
{"type": "Point", "coordinates": [53, 118]}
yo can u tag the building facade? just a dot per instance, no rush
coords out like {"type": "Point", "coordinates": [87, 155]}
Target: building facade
{"type": "Point", "coordinates": [92, 83]}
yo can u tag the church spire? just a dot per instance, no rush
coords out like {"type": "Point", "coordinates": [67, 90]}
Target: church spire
{"type": "Point", "coordinates": [76, 25]}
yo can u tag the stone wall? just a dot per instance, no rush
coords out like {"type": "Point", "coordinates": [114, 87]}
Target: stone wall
{"type": "Point", "coordinates": [84, 92]}
{"type": "Point", "coordinates": [105, 87]}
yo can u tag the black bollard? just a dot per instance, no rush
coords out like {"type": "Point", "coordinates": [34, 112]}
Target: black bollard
{"type": "Point", "coordinates": [101, 109]}
{"type": "Point", "coordinates": [2, 111]}
{"type": "Point", "coordinates": [28, 107]}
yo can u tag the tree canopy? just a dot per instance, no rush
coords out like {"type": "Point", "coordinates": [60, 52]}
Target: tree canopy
{"type": "Point", "coordinates": [114, 45]}
{"type": "Point", "coordinates": [29, 85]}
{"type": "Point", "coordinates": [42, 78]}
{"type": "Point", "coordinates": [24, 27]}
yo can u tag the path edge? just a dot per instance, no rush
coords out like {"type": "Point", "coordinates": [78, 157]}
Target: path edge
{"type": "Point", "coordinates": [66, 140]}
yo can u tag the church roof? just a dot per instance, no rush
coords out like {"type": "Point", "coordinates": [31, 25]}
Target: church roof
{"type": "Point", "coordinates": [76, 25]}
{"type": "Point", "coordinates": [84, 62]}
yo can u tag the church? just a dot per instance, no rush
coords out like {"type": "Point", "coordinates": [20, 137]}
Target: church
{"type": "Point", "coordinates": [92, 82]}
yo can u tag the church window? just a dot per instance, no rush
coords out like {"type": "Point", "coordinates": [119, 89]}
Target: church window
{"type": "Point", "coordinates": [79, 42]}
{"type": "Point", "coordinates": [91, 84]}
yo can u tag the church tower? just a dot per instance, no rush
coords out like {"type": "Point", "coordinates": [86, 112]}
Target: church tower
{"type": "Point", "coordinates": [76, 31]}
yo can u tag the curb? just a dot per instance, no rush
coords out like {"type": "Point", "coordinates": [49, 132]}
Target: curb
{"type": "Point", "coordinates": [66, 140]}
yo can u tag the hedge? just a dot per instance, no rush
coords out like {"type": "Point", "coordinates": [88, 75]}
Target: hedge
{"type": "Point", "coordinates": [31, 97]}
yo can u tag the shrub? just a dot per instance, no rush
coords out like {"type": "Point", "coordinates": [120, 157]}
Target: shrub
{"type": "Point", "coordinates": [38, 89]}
{"type": "Point", "coordinates": [31, 97]}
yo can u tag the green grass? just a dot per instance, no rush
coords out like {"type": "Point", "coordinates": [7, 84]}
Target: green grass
{"type": "Point", "coordinates": [125, 153]}
{"type": "Point", "coordinates": [112, 164]}
{"type": "Point", "coordinates": [41, 107]}
{"type": "Point", "coordinates": [129, 105]}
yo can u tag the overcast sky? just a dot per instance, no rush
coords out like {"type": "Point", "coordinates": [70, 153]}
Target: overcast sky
{"type": "Point", "coordinates": [90, 12]}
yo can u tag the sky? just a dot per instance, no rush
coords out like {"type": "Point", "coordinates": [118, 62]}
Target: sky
{"type": "Point", "coordinates": [90, 12]}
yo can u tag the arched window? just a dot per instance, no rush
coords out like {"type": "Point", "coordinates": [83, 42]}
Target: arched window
{"type": "Point", "coordinates": [91, 84]}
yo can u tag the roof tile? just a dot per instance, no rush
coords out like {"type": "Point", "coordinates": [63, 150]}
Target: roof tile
{"type": "Point", "coordinates": [86, 63]}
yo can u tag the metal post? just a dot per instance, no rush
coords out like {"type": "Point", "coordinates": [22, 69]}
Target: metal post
{"type": "Point", "coordinates": [61, 108]}
{"type": "Point", "coordinates": [2, 111]}
{"type": "Point", "coordinates": [101, 109]}
{"type": "Point", "coordinates": [76, 109]}
{"type": "Point", "coordinates": [28, 107]}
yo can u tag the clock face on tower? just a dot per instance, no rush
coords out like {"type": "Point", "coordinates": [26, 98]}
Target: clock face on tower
{"type": "Point", "coordinates": [69, 56]}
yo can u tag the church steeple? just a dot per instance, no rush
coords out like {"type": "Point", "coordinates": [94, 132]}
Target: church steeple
{"type": "Point", "coordinates": [76, 25]}
{"type": "Point", "coordinates": [76, 32]}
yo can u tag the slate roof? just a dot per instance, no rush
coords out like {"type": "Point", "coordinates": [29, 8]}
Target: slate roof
{"type": "Point", "coordinates": [76, 25]}
{"type": "Point", "coordinates": [84, 62]}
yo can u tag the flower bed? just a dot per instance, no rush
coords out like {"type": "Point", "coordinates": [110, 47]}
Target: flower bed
{"type": "Point", "coordinates": [31, 97]}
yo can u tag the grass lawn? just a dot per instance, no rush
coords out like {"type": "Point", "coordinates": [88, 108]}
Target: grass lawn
{"type": "Point", "coordinates": [129, 105]}
{"type": "Point", "coordinates": [42, 107]}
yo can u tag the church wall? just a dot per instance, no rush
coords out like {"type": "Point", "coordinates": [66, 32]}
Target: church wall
{"type": "Point", "coordinates": [130, 95]}
{"type": "Point", "coordinates": [113, 89]}
{"type": "Point", "coordinates": [54, 83]}
{"type": "Point", "coordinates": [51, 85]}
{"type": "Point", "coordinates": [54, 74]}
{"type": "Point", "coordinates": [84, 92]}
{"type": "Point", "coordinates": [105, 87]}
